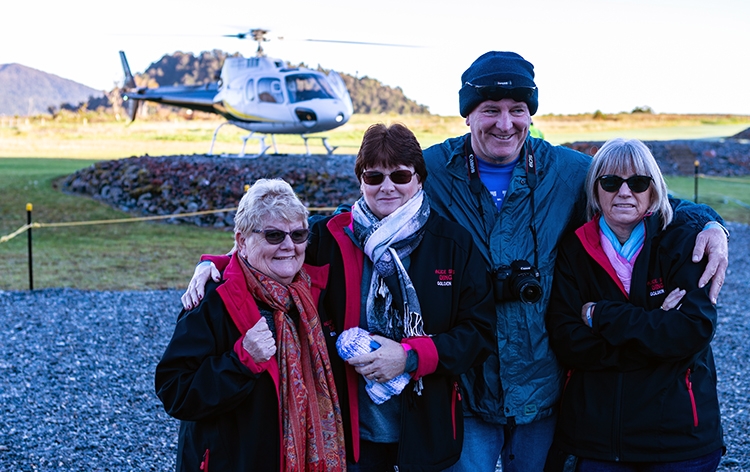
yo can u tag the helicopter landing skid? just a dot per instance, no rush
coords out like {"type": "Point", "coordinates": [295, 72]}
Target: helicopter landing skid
{"type": "Point", "coordinates": [325, 142]}
{"type": "Point", "coordinates": [264, 147]}
{"type": "Point", "coordinates": [261, 140]}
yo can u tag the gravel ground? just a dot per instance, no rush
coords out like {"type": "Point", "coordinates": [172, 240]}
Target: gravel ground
{"type": "Point", "coordinates": [76, 376]}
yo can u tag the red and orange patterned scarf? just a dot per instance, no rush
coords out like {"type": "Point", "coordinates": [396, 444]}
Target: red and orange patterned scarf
{"type": "Point", "coordinates": [312, 428]}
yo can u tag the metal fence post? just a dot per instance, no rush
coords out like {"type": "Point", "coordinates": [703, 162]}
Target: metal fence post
{"type": "Point", "coordinates": [695, 194]}
{"type": "Point", "coordinates": [30, 207]}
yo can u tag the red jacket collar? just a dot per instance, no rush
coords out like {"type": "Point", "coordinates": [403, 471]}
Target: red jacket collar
{"type": "Point", "coordinates": [589, 235]}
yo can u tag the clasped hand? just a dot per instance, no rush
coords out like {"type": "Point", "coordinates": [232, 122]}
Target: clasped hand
{"type": "Point", "coordinates": [259, 342]}
{"type": "Point", "coordinates": [383, 364]}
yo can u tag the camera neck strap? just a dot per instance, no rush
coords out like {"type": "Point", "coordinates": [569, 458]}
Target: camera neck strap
{"type": "Point", "coordinates": [476, 185]}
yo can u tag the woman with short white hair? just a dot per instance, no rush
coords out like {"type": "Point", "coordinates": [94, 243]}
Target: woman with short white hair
{"type": "Point", "coordinates": [247, 370]}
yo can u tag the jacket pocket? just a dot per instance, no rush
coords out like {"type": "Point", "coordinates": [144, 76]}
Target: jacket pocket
{"type": "Point", "coordinates": [689, 386]}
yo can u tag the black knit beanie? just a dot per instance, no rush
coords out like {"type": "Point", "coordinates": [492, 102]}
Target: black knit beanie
{"type": "Point", "coordinates": [496, 68]}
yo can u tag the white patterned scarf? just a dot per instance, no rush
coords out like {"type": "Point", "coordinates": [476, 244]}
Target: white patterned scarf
{"type": "Point", "coordinates": [386, 242]}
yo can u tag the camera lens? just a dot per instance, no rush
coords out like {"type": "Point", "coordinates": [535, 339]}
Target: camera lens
{"type": "Point", "coordinates": [530, 292]}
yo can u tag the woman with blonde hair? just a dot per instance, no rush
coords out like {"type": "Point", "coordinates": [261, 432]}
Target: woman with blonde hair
{"type": "Point", "coordinates": [632, 327]}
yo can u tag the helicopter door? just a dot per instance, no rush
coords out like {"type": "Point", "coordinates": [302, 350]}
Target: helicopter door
{"type": "Point", "coordinates": [269, 91]}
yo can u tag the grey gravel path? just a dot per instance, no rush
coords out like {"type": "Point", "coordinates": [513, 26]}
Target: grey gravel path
{"type": "Point", "coordinates": [76, 375]}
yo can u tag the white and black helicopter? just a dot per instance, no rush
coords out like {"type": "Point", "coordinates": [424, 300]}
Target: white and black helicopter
{"type": "Point", "coordinates": [259, 94]}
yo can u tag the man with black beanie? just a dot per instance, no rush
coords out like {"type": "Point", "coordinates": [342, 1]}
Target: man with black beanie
{"type": "Point", "coordinates": [518, 196]}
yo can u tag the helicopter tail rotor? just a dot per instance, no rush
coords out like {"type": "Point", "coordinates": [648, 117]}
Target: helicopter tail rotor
{"type": "Point", "coordinates": [128, 85]}
{"type": "Point", "coordinates": [132, 107]}
{"type": "Point", "coordinates": [129, 80]}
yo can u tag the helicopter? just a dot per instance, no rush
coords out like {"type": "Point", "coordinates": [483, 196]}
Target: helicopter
{"type": "Point", "coordinates": [259, 94]}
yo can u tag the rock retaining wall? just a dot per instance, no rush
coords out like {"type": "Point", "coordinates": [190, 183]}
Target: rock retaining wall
{"type": "Point", "coordinates": [184, 184]}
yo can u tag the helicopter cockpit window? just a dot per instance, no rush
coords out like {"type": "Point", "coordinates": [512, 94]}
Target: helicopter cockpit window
{"type": "Point", "coordinates": [269, 90]}
{"type": "Point", "coordinates": [250, 90]}
{"type": "Point", "coordinates": [303, 87]}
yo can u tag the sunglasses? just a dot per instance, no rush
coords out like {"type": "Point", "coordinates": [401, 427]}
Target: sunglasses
{"type": "Point", "coordinates": [399, 177]}
{"type": "Point", "coordinates": [276, 236]}
{"type": "Point", "coordinates": [498, 92]}
{"type": "Point", "coordinates": [637, 183]}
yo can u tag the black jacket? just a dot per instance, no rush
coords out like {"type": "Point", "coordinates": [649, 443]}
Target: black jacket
{"type": "Point", "coordinates": [453, 287]}
{"type": "Point", "coordinates": [228, 405]}
{"type": "Point", "coordinates": [229, 415]}
{"type": "Point", "coordinates": [641, 383]}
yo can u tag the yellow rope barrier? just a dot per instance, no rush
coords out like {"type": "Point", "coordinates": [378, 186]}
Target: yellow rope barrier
{"type": "Point", "coordinates": [129, 220]}
{"type": "Point", "coordinates": [724, 179]}
{"type": "Point", "coordinates": [25, 228]}
{"type": "Point", "coordinates": [15, 233]}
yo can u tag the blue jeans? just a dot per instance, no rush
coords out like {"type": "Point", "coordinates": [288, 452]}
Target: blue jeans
{"type": "Point", "coordinates": [522, 448]}
{"type": "Point", "coordinates": [707, 463]}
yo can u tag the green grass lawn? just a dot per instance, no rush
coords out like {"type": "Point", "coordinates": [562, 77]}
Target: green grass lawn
{"type": "Point", "coordinates": [130, 256]}
{"type": "Point", "coordinates": [730, 197]}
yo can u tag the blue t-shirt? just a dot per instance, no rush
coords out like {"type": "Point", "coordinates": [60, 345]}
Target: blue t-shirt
{"type": "Point", "coordinates": [496, 177]}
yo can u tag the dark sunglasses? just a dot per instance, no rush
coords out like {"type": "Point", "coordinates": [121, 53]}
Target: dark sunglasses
{"type": "Point", "coordinates": [637, 183]}
{"type": "Point", "coordinates": [372, 177]}
{"type": "Point", "coordinates": [276, 236]}
{"type": "Point", "coordinates": [498, 92]}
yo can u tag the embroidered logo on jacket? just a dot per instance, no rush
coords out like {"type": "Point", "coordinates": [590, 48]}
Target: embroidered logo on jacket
{"type": "Point", "coordinates": [655, 287]}
{"type": "Point", "coordinates": [445, 277]}
{"type": "Point", "coordinates": [330, 327]}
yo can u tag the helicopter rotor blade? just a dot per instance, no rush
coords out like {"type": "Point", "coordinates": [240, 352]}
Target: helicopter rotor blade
{"type": "Point", "coordinates": [362, 43]}
{"type": "Point", "coordinates": [263, 34]}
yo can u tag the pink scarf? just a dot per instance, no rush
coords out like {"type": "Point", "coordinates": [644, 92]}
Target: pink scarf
{"type": "Point", "coordinates": [622, 266]}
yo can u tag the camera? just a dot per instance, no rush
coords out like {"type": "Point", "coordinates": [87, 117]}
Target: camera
{"type": "Point", "coordinates": [518, 281]}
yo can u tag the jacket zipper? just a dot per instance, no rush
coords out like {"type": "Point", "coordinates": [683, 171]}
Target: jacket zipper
{"type": "Point", "coordinates": [618, 418]}
{"type": "Point", "coordinates": [689, 385]}
{"type": "Point", "coordinates": [204, 463]}
{"type": "Point", "coordinates": [456, 396]}
{"type": "Point", "coordinates": [568, 375]}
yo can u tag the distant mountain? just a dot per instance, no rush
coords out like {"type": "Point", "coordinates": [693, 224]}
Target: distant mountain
{"type": "Point", "coordinates": [26, 91]}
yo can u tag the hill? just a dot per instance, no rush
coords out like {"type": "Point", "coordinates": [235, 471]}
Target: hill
{"type": "Point", "coordinates": [26, 91]}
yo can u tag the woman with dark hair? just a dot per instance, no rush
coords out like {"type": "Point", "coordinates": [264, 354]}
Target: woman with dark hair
{"type": "Point", "coordinates": [629, 322]}
{"type": "Point", "coordinates": [418, 285]}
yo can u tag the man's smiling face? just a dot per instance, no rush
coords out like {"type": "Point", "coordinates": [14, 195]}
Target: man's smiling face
{"type": "Point", "coordinates": [499, 129]}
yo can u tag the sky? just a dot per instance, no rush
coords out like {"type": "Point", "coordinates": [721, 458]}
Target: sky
{"type": "Point", "coordinates": [674, 56]}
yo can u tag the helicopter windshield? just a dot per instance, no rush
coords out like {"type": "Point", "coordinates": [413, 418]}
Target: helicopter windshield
{"type": "Point", "coordinates": [303, 87]}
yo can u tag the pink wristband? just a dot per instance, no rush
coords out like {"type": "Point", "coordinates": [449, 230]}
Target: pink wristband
{"type": "Point", "coordinates": [406, 347]}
